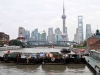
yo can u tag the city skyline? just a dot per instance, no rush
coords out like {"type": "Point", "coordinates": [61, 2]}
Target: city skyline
{"type": "Point", "coordinates": [47, 13]}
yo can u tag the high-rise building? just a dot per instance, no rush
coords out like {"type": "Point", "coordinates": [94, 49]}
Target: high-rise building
{"type": "Point", "coordinates": [88, 31]}
{"type": "Point", "coordinates": [64, 18]}
{"type": "Point", "coordinates": [32, 34]}
{"type": "Point", "coordinates": [74, 37]}
{"type": "Point", "coordinates": [27, 35]}
{"type": "Point", "coordinates": [77, 36]}
{"type": "Point", "coordinates": [50, 35]}
{"type": "Point", "coordinates": [80, 28]}
{"type": "Point", "coordinates": [36, 34]}
{"type": "Point", "coordinates": [39, 37]}
{"type": "Point", "coordinates": [66, 33]}
{"type": "Point", "coordinates": [57, 35]}
{"type": "Point", "coordinates": [21, 34]}
{"type": "Point", "coordinates": [57, 31]}
{"type": "Point", "coordinates": [42, 36]}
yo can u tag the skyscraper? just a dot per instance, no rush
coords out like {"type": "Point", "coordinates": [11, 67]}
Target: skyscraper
{"type": "Point", "coordinates": [57, 34]}
{"type": "Point", "coordinates": [64, 17]}
{"type": "Point", "coordinates": [27, 35]}
{"type": "Point", "coordinates": [21, 32]}
{"type": "Point", "coordinates": [50, 35]}
{"type": "Point", "coordinates": [32, 34]}
{"type": "Point", "coordinates": [74, 37]}
{"type": "Point", "coordinates": [88, 31]}
{"type": "Point", "coordinates": [42, 36]}
{"type": "Point", "coordinates": [77, 36]}
{"type": "Point", "coordinates": [36, 34]}
{"type": "Point", "coordinates": [80, 27]}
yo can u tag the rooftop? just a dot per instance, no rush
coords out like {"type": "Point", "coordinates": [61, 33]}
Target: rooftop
{"type": "Point", "coordinates": [96, 35]}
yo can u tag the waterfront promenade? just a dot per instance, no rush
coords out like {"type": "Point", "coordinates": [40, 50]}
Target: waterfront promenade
{"type": "Point", "coordinates": [10, 48]}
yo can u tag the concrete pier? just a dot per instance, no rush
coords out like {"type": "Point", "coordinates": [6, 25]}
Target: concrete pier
{"type": "Point", "coordinates": [93, 63]}
{"type": "Point", "coordinates": [10, 48]}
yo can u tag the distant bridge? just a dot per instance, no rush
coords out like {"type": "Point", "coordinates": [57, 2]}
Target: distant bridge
{"type": "Point", "coordinates": [46, 43]}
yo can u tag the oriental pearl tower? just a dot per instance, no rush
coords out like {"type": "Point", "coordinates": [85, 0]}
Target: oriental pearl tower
{"type": "Point", "coordinates": [64, 17]}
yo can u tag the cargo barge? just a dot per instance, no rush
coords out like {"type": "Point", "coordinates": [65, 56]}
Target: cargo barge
{"type": "Point", "coordinates": [50, 58]}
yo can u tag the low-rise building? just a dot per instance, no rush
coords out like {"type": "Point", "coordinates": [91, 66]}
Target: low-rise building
{"type": "Point", "coordinates": [96, 45]}
{"type": "Point", "coordinates": [92, 40]}
{"type": "Point", "coordinates": [4, 37]}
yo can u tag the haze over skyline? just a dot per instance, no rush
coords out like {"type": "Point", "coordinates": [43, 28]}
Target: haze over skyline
{"type": "Point", "coordinates": [43, 14]}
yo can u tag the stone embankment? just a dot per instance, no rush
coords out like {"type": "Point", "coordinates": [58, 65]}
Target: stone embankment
{"type": "Point", "coordinates": [10, 48]}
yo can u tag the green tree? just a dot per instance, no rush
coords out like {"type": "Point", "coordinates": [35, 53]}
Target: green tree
{"type": "Point", "coordinates": [15, 42]}
{"type": "Point", "coordinates": [85, 43]}
{"type": "Point", "coordinates": [2, 43]}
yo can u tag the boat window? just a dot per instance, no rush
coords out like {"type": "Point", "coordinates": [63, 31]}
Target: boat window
{"type": "Point", "coordinates": [42, 54]}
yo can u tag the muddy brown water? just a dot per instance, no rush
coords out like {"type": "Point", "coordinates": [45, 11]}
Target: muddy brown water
{"type": "Point", "coordinates": [68, 69]}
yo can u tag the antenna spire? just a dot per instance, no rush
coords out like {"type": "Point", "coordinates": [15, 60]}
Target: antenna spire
{"type": "Point", "coordinates": [63, 8]}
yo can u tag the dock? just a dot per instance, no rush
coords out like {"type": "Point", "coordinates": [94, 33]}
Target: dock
{"type": "Point", "coordinates": [93, 63]}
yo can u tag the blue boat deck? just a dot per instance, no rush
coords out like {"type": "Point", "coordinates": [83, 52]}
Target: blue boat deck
{"type": "Point", "coordinates": [93, 62]}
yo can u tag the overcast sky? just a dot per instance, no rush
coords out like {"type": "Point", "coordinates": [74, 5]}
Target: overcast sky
{"type": "Point", "coordinates": [43, 14]}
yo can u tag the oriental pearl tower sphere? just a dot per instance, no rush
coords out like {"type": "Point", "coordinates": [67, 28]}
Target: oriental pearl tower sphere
{"type": "Point", "coordinates": [63, 17]}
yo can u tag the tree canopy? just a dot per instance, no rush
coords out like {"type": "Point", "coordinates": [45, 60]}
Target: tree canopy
{"type": "Point", "coordinates": [15, 42]}
{"type": "Point", "coordinates": [85, 43]}
{"type": "Point", "coordinates": [1, 43]}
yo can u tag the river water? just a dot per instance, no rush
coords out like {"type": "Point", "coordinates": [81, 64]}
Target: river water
{"type": "Point", "coordinates": [68, 69]}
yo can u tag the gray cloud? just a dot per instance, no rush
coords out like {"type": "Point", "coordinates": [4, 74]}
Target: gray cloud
{"type": "Point", "coordinates": [42, 14]}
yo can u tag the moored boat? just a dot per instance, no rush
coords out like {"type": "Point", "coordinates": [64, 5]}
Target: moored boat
{"type": "Point", "coordinates": [64, 50]}
{"type": "Point", "coordinates": [54, 58]}
{"type": "Point", "coordinates": [21, 58]}
{"type": "Point", "coordinates": [51, 58]}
